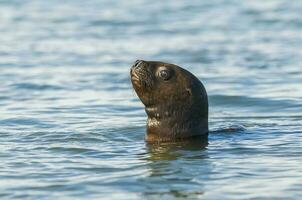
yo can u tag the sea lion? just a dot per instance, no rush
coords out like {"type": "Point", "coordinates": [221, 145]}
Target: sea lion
{"type": "Point", "coordinates": [175, 101]}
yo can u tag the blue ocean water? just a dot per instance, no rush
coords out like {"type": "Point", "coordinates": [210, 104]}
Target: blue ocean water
{"type": "Point", "coordinates": [71, 126]}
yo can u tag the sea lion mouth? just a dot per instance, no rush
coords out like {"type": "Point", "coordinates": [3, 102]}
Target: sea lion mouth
{"type": "Point", "coordinates": [134, 76]}
{"type": "Point", "coordinates": [135, 79]}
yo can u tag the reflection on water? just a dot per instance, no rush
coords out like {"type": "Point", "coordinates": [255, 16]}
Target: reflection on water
{"type": "Point", "coordinates": [71, 126]}
{"type": "Point", "coordinates": [171, 151]}
{"type": "Point", "coordinates": [181, 158]}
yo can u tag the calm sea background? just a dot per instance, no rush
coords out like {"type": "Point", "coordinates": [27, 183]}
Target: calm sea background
{"type": "Point", "coordinates": [71, 126]}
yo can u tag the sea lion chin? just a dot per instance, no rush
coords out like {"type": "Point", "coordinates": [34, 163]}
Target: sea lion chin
{"type": "Point", "coordinates": [175, 101]}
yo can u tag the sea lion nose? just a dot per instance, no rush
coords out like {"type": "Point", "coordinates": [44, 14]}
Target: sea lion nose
{"type": "Point", "coordinates": [137, 63]}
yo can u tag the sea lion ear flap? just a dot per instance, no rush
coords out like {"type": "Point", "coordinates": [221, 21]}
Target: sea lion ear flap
{"type": "Point", "coordinates": [189, 91]}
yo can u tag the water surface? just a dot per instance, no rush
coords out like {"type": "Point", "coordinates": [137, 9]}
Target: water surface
{"type": "Point", "coordinates": [72, 127]}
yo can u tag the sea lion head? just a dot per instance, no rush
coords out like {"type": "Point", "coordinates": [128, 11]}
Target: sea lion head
{"type": "Point", "coordinates": [175, 100]}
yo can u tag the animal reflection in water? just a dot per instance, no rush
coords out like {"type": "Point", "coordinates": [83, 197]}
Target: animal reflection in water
{"type": "Point", "coordinates": [171, 166]}
{"type": "Point", "coordinates": [173, 150]}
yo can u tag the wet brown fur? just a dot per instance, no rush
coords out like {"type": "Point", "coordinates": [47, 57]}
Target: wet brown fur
{"type": "Point", "coordinates": [177, 108]}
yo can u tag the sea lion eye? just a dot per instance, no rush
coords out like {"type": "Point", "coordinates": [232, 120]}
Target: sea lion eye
{"type": "Point", "coordinates": [165, 74]}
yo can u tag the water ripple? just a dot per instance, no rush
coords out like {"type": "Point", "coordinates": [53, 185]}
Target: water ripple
{"type": "Point", "coordinates": [72, 127]}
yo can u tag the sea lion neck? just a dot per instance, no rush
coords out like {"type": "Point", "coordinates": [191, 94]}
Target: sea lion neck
{"type": "Point", "coordinates": [157, 112]}
{"type": "Point", "coordinates": [151, 110]}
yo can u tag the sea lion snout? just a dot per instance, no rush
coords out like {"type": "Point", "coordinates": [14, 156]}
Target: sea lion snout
{"type": "Point", "coordinates": [138, 65]}
{"type": "Point", "coordinates": [139, 73]}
